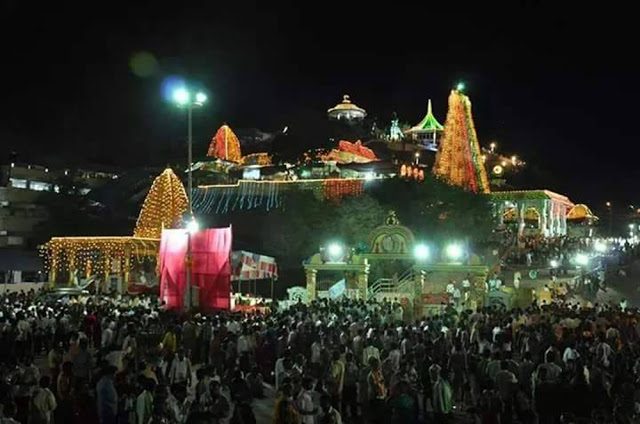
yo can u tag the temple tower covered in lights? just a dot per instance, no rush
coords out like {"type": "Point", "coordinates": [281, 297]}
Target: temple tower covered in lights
{"type": "Point", "coordinates": [458, 160]}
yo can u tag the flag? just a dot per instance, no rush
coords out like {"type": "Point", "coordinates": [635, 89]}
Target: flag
{"type": "Point", "coordinates": [251, 266]}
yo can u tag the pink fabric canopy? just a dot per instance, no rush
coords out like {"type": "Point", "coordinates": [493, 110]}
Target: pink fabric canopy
{"type": "Point", "coordinates": [210, 272]}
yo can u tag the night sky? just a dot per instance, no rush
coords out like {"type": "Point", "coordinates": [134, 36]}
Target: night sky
{"type": "Point", "coordinates": [556, 85]}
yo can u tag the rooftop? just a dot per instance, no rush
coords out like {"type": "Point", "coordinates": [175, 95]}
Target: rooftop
{"type": "Point", "coordinates": [428, 123]}
{"type": "Point", "coordinates": [346, 109]}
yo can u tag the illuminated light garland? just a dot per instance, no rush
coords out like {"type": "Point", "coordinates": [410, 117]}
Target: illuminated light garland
{"type": "Point", "coordinates": [97, 255]}
{"type": "Point", "coordinates": [225, 145]}
{"type": "Point", "coordinates": [163, 207]}
{"type": "Point", "coordinates": [262, 159]}
{"type": "Point", "coordinates": [458, 160]}
{"type": "Point", "coordinates": [335, 190]}
{"type": "Point", "coordinates": [245, 196]}
{"type": "Point", "coordinates": [250, 194]}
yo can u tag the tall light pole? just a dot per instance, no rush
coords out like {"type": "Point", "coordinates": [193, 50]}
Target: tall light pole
{"type": "Point", "coordinates": [610, 210]}
{"type": "Point", "coordinates": [188, 100]}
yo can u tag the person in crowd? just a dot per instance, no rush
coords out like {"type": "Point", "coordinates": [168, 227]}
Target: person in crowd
{"type": "Point", "coordinates": [180, 370]}
{"type": "Point", "coordinates": [305, 403]}
{"type": "Point", "coordinates": [144, 401]}
{"type": "Point", "coordinates": [329, 414]}
{"type": "Point", "coordinates": [442, 396]}
{"type": "Point", "coordinates": [371, 364]}
{"type": "Point", "coordinates": [169, 341]}
{"type": "Point", "coordinates": [83, 362]}
{"type": "Point", "coordinates": [107, 396]}
{"type": "Point", "coordinates": [9, 413]}
{"type": "Point", "coordinates": [43, 403]}
{"type": "Point", "coordinates": [546, 398]}
{"type": "Point", "coordinates": [377, 391]}
{"type": "Point", "coordinates": [54, 360]}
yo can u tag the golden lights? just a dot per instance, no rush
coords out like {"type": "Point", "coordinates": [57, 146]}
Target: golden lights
{"type": "Point", "coordinates": [163, 207]}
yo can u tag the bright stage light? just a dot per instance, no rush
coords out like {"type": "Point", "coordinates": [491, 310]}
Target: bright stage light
{"type": "Point", "coordinates": [460, 86]}
{"type": "Point", "coordinates": [421, 252]}
{"type": "Point", "coordinates": [335, 251]}
{"type": "Point", "coordinates": [193, 226]}
{"type": "Point", "coordinates": [201, 98]}
{"type": "Point", "coordinates": [454, 251]}
{"type": "Point", "coordinates": [554, 263]}
{"type": "Point", "coordinates": [181, 96]}
{"type": "Point", "coordinates": [600, 247]}
{"type": "Point", "coordinates": [582, 259]}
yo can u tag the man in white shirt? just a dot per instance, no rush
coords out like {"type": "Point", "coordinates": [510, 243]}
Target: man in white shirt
{"type": "Point", "coordinates": [516, 279]}
{"type": "Point", "coordinates": [108, 335]}
{"type": "Point", "coordinates": [316, 352]}
{"type": "Point", "coordinates": [394, 356]}
{"type": "Point", "coordinates": [358, 343]}
{"type": "Point", "coordinates": [603, 353]}
{"type": "Point", "coordinates": [233, 327]}
{"type": "Point", "coordinates": [370, 352]}
{"type": "Point", "coordinates": [304, 403]}
{"type": "Point", "coordinates": [180, 371]}
{"type": "Point", "coordinates": [466, 288]}
{"type": "Point", "coordinates": [279, 371]}
{"type": "Point", "coordinates": [457, 297]}
{"type": "Point", "coordinates": [450, 288]}
{"type": "Point", "coordinates": [553, 370]}
{"type": "Point", "coordinates": [244, 343]}
{"type": "Point", "coordinates": [570, 354]}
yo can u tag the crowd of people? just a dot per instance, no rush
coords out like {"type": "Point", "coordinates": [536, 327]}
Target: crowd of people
{"type": "Point", "coordinates": [539, 251]}
{"type": "Point", "coordinates": [127, 360]}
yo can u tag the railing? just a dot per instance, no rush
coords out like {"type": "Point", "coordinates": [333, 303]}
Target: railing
{"type": "Point", "coordinates": [403, 284]}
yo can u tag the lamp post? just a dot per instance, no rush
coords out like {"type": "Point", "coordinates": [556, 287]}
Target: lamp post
{"type": "Point", "coordinates": [610, 210]}
{"type": "Point", "coordinates": [186, 99]}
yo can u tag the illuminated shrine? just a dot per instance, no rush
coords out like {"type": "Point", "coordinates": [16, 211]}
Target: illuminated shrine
{"type": "Point", "coordinates": [119, 263]}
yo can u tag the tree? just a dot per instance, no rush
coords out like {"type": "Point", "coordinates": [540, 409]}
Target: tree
{"type": "Point", "coordinates": [437, 211]}
{"type": "Point", "coordinates": [295, 231]}
{"type": "Point", "coordinates": [355, 218]}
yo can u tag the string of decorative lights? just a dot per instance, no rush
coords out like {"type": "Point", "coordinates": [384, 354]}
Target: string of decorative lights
{"type": "Point", "coordinates": [98, 255]}
{"type": "Point", "coordinates": [250, 194]}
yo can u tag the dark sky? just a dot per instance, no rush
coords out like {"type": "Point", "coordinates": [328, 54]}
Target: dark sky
{"type": "Point", "coordinates": [554, 84]}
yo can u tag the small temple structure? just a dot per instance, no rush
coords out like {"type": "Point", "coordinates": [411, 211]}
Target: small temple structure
{"type": "Point", "coordinates": [533, 212]}
{"type": "Point", "coordinates": [119, 263]}
{"type": "Point", "coordinates": [426, 132]}
{"type": "Point", "coordinates": [346, 111]}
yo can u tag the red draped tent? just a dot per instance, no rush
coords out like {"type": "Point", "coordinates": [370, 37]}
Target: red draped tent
{"type": "Point", "coordinates": [211, 267]}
